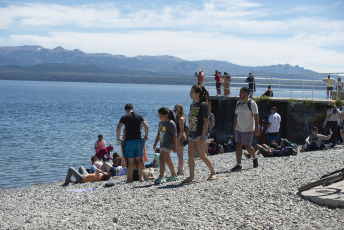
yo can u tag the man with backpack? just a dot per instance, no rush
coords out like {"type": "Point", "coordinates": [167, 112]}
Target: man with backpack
{"type": "Point", "coordinates": [246, 125]}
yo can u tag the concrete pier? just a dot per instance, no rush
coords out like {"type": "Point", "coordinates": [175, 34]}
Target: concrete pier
{"type": "Point", "coordinates": [298, 116]}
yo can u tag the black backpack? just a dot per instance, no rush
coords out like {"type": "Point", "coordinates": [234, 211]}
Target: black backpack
{"type": "Point", "coordinates": [248, 104]}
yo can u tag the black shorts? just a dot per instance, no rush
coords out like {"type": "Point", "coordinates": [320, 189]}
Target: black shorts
{"type": "Point", "coordinates": [264, 151]}
{"type": "Point", "coordinates": [329, 88]}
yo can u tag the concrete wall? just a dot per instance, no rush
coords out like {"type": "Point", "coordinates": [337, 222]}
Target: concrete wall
{"type": "Point", "coordinates": [298, 117]}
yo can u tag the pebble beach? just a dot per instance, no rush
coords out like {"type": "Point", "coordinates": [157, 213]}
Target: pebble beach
{"type": "Point", "coordinates": [254, 198]}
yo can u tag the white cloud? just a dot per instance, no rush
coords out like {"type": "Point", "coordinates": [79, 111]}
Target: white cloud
{"type": "Point", "coordinates": [242, 32]}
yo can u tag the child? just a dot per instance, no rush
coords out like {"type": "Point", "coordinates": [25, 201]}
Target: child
{"type": "Point", "coordinates": [167, 135]}
{"type": "Point", "coordinates": [155, 162]}
{"type": "Point", "coordinates": [181, 135]}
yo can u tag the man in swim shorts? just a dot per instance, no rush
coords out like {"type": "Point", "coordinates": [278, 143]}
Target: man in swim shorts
{"type": "Point", "coordinates": [133, 145]}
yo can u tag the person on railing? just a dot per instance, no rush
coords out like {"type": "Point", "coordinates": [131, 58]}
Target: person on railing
{"type": "Point", "coordinates": [251, 84]}
{"type": "Point", "coordinates": [200, 77]}
{"type": "Point", "coordinates": [218, 79]}
{"type": "Point", "coordinates": [329, 82]}
{"type": "Point", "coordinates": [268, 92]}
{"type": "Point", "coordinates": [339, 84]}
{"type": "Point", "coordinates": [226, 83]}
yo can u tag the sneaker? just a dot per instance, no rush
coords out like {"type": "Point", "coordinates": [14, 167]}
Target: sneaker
{"type": "Point", "coordinates": [255, 163]}
{"type": "Point", "coordinates": [172, 178]}
{"type": "Point", "coordinates": [236, 168]}
{"type": "Point", "coordinates": [159, 181]}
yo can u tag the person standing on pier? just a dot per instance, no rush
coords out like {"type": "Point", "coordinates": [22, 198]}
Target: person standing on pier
{"type": "Point", "coordinates": [329, 82]}
{"type": "Point", "coordinates": [200, 77]}
{"type": "Point", "coordinates": [246, 125]}
{"type": "Point", "coordinates": [133, 146]}
{"type": "Point", "coordinates": [339, 84]}
{"type": "Point", "coordinates": [218, 80]}
{"type": "Point", "coordinates": [251, 84]}
{"type": "Point", "coordinates": [226, 84]}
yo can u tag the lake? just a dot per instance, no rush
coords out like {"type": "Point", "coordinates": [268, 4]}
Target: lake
{"type": "Point", "coordinates": [48, 126]}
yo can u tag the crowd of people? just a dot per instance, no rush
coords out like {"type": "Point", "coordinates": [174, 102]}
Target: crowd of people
{"type": "Point", "coordinates": [223, 81]}
{"type": "Point", "coordinates": [176, 131]}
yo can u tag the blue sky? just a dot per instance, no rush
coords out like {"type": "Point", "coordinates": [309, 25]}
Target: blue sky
{"type": "Point", "coordinates": [255, 33]}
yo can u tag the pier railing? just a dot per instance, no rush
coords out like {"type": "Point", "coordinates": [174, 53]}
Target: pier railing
{"type": "Point", "coordinates": [307, 86]}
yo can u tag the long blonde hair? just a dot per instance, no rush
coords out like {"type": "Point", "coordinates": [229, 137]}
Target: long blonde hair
{"type": "Point", "coordinates": [180, 111]}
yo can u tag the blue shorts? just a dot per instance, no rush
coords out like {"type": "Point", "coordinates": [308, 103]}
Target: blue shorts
{"type": "Point", "coordinates": [112, 171]}
{"type": "Point", "coordinates": [272, 136]}
{"type": "Point", "coordinates": [133, 148]}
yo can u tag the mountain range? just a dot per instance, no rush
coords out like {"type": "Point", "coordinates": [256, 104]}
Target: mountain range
{"type": "Point", "coordinates": [59, 64]}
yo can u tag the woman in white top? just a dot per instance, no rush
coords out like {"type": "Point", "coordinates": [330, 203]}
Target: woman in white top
{"type": "Point", "coordinates": [331, 122]}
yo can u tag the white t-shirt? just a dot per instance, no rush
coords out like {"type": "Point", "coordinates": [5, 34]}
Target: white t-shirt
{"type": "Point", "coordinates": [329, 82]}
{"type": "Point", "coordinates": [245, 118]}
{"type": "Point", "coordinates": [121, 171]}
{"type": "Point", "coordinates": [275, 120]}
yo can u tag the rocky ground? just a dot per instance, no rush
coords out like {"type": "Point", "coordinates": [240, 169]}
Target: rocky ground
{"type": "Point", "coordinates": [255, 198]}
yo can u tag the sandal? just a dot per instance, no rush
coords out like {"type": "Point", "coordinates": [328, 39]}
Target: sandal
{"type": "Point", "coordinates": [189, 180]}
{"type": "Point", "coordinates": [159, 181]}
{"type": "Point", "coordinates": [213, 177]}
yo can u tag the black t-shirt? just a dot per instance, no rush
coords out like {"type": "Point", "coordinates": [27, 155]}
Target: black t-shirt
{"type": "Point", "coordinates": [198, 111]}
{"type": "Point", "coordinates": [132, 122]}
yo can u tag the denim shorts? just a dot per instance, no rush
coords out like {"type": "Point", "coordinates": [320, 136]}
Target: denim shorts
{"type": "Point", "coordinates": [133, 148]}
{"type": "Point", "coordinates": [245, 138]}
{"type": "Point", "coordinates": [272, 136]}
{"type": "Point", "coordinates": [112, 171]}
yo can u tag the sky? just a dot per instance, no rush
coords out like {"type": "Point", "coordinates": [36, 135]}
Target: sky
{"type": "Point", "coordinates": [308, 33]}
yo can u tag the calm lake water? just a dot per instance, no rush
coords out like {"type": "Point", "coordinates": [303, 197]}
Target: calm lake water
{"type": "Point", "coordinates": [48, 126]}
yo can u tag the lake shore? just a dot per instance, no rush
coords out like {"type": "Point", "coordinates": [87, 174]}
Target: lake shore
{"type": "Point", "coordinates": [261, 198]}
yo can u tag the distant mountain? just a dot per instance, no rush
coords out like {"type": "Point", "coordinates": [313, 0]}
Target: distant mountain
{"type": "Point", "coordinates": [30, 62]}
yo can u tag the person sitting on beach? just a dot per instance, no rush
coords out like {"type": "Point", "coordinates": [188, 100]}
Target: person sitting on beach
{"type": "Point", "coordinates": [167, 136]}
{"type": "Point", "coordinates": [329, 83]}
{"type": "Point", "coordinates": [102, 152]}
{"type": "Point", "coordinates": [276, 151]}
{"type": "Point", "coordinates": [262, 138]}
{"type": "Point", "coordinates": [82, 176]}
{"type": "Point", "coordinates": [268, 92]}
{"type": "Point", "coordinates": [155, 163]}
{"type": "Point", "coordinates": [96, 164]}
{"type": "Point", "coordinates": [116, 159]}
{"type": "Point", "coordinates": [100, 143]}
{"type": "Point", "coordinates": [315, 141]}
{"type": "Point", "coordinates": [114, 171]}
{"type": "Point", "coordinates": [263, 149]}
